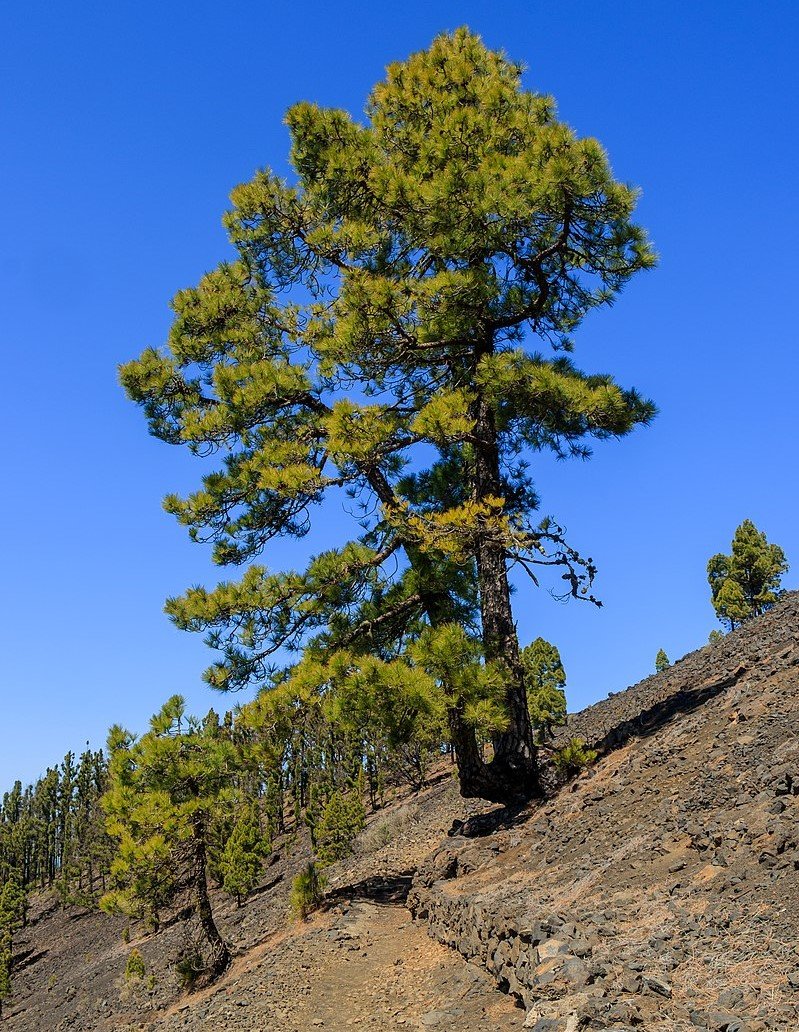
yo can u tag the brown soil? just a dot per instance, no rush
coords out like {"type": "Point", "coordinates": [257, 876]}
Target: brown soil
{"type": "Point", "coordinates": [359, 963]}
{"type": "Point", "coordinates": [658, 891]}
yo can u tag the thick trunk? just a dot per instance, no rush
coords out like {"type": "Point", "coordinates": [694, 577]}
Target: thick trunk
{"type": "Point", "coordinates": [515, 760]}
{"type": "Point", "coordinates": [219, 958]}
{"type": "Point", "coordinates": [512, 774]}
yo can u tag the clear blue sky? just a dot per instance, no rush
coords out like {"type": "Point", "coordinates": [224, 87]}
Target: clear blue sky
{"type": "Point", "coordinates": [123, 127]}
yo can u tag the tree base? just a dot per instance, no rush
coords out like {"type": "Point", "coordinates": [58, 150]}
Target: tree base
{"type": "Point", "coordinates": [501, 782]}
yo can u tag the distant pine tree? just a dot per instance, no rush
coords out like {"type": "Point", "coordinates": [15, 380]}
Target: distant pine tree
{"type": "Point", "coordinates": [242, 858]}
{"type": "Point", "coordinates": [5, 968]}
{"type": "Point", "coordinates": [545, 679]}
{"type": "Point", "coordinates": [662, 662]}
{"type": "Point", "coordinates": [746, 583]}
{"type": "Point", "coordinates": [341, 820]}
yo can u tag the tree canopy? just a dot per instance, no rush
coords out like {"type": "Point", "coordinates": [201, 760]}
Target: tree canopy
{"type": "Point", "coordinates": [396, 327]}
{"type": "Point", "coordinates": [165, 790]}
{"type": "Point", "coordinates": [545, 679]}
{"type": "Point", "coordinates": [746, 583]}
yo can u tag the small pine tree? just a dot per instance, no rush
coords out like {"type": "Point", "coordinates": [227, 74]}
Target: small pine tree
{"type": "Point", "coordinates": [135, 968]}
{"type": "Point", "coordinates": [307, 891]}
{"type": "Point", "coordinates": [164, 791]}
{"type": "Point", "coordinates": [340, 821]}
{"type": "Point", "coordinates": [5, 968]}
{"type": "Point", "coordinates": [662, 662]}
{"type": "Point", "coordinates": [545, 679]}
{"type": "Point", "coordinates": [746, 583]}
{"type": "Point", "coordinates": [715, 636]}
{"type": "Point", "coordinates": [242, 858]}
{"type": "Point", "coordinates": [573, 757]}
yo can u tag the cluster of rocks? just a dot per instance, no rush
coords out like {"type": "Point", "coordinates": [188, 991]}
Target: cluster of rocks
{"type": "Point", "coordinates": [660, 890]}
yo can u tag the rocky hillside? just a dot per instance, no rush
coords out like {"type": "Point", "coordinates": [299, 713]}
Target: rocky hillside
{"type": "Point", "coordinates": [659, 891]}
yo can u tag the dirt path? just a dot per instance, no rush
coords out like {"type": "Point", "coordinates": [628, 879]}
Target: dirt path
{"type": "Point", "coordinates": [363, 964]}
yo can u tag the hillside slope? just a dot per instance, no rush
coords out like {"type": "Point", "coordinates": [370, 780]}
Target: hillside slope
{"type": "Point", "coordinates": [660, 890]}
{"type": "Point", "coordinates": [662, 887]}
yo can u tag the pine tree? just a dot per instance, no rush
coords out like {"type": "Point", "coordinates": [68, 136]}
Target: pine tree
{"type": "Point", "coordinates": [242, 858]}
{"type": "Point", "coordinates": [662, 662]}
{"type": "Point", "coordinates": [384, 308]}
{"type": "Point", "coordinates": [5, 968]}
{"type": "Point", "coordinates": [13, 905]}
{"type": "Point", "coordinates": [341, 820]}
{"type": "Point", "coordinates": [13, 908]}
{"type": "Point", "coordinates": [163, 792]}
{"type": "Point", "coordinates": [746, 583]}
{"type": "Point", "coordinates": [545, 679]}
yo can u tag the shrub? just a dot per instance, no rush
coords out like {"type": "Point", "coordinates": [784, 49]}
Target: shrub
{"type": "Point", "coordinates": [135, 969]}
{"type": "Point", "coordinates": [188, 969]}
{"type": "Point", "coordinates": [574, 757]}
{"type": "Point", "coordinates": [307, 891]}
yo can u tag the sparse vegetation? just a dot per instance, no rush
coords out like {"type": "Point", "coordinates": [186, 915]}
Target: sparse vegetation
{"type": "Point", "coordinates": [386, 829]}
{"type": "Point", "coordinates": [307, 891]}
{"type": "Point", "coordinates": [573, 757]}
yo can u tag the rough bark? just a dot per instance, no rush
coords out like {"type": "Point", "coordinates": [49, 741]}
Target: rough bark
{"type": "Point", "coordinates": [220, 956]}
{"type": "Point", "coordinates": [515, 762]}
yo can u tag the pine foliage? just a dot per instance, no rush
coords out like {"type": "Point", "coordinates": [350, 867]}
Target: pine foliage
{"type": "Point", "coordinates": [243, 855]}
{"type": "Point", "coordinates": [380, 332]}
{"type": "Point", "coordinates": [545, 679]}
{"type": "Point", "coordinates": [746, 583]}
{"type": "Point", "coordinates": [662, 661]}
{"type": "Point", "coordinates": [164, 790]}
{"type": "Point", "coordinates": [342, 818]}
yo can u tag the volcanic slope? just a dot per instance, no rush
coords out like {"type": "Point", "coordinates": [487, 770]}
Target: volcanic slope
{"type": "Point", "coordinates": [659, 891]}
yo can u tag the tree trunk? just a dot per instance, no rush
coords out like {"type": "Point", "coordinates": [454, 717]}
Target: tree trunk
{"type": "Point", "coordinates": [219, 951]}
{"type": "Point", "coordinates": [515, 761]}
{"type": "Point", "coordinates": [512, 775]}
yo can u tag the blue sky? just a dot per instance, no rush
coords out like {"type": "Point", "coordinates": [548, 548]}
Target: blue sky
{"type": "Point", "coordinates": [123, 128]}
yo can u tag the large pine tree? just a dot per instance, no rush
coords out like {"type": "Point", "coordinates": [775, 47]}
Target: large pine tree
{"type": "Point", "coordinates": [396, 325]}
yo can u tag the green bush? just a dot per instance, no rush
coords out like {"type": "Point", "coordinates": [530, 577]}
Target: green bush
{"type": "Point", "coordinates": [307, 891]}
{"type": "Point", "coordinates": [135, 969]}
{"type": "Point", "coordinates": [574, 756]}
